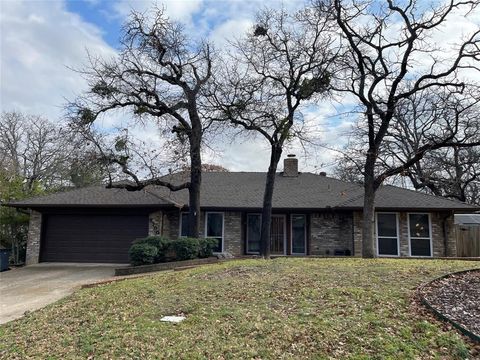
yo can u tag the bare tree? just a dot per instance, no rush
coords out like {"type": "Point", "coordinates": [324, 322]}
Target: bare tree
{"type": "Point", "coordinates": [284, 63]}
{"type": "Point", "coordinates": [443, 130]}
{"type": "Point", "coordinates": [34, 149]}
{"type": "Point", "coordinates": [36, 156]}
{"type": "Point", "coordinates": [384, 43]}
{"type": "Point", "coordinates": [159, 76]}
{"type": "Point", "coordinates": [442, 126]}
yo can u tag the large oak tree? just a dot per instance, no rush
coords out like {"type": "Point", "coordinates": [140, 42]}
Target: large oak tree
{"type": "Point", "coordinates": [159, 76]}
{"type": "Point", "coordinates": [389, 58]}
{"type": "Point", "coordinates": [284, 63]}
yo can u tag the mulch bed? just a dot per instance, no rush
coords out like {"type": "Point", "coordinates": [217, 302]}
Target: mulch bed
{"type": "Point", "coordinates": [458, 298]}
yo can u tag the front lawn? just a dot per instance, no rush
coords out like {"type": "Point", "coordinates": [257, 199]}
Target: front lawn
{"type": "Point", "coordinates": [282, 308]}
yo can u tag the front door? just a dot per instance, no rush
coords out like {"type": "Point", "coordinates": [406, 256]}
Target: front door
{"type": "Point", "coordinates": [277, 235]}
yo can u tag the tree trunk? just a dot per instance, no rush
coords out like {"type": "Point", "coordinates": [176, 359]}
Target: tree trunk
{"type": "Point", "coordinates": [368, 247]}
{"type": "Point", "coordinates": [267, 201]}
{"type": "Point", "coordinates": [194, 189]}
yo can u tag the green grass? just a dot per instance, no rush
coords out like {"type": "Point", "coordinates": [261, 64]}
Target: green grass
{"type": "Point", "coordinates": [277, 309]}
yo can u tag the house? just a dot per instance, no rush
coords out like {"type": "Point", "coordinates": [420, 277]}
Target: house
{"type": "Point", "coordinates": [312, 215]}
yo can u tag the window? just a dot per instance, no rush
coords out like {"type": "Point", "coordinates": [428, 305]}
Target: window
{"type": "Point", "coordinates": [387, 234]}
{"type": "Point", "coordinates": [214, 228]}
{"type": "Point", "coordinates": [299, 234]}
{"type": "Point", "coordinates": [254, 224]}
{"type": "Point", "coordinates": [420, 235]}
{"type": "Point", "coordinates": [183, 224]}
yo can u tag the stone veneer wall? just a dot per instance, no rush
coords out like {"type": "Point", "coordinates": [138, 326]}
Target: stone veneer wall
{"type": "Point", "coordinates": [159, 223]}
{"type": "Point", "coordinates": [330, 232]}
{"type": "Point", "coordinates": [438, 234]}
{"type": "Point", "coordinates": [232, 228]}
{"type": "Point", "coordinates": [33, 238]}
{"type": "Point", "coordinates": [233, 233]}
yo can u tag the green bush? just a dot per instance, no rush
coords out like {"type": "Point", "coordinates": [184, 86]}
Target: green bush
{"type": "Point", "coordinates": [160, 243]}
{"type": "Point", "coordinates": [206, 247]}
{"type": "Point", "coordinates": [186, 248]}
{"type": "Point", "coordinates": [142, 254]}
{"type": "Point", "coordinates": [156, 249]}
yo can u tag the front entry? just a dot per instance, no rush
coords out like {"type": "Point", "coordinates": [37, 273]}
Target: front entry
{"type": "Point", "coordinates": [277, 235]}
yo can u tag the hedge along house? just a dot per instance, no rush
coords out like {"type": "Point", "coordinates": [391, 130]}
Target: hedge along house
{"type": "Point", "coordinates": [312, 215]}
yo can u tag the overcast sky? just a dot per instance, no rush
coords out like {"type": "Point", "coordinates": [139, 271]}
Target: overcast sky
{"type": "Point", "coordinates": [42, 40]}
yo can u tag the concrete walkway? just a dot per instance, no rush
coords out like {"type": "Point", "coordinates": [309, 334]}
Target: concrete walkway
{"type": "Point", "coordinates": [35, 286]}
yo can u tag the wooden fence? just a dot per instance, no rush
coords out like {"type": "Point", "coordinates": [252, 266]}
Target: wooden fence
{"type": "Point", "coordinates": [468, 240]}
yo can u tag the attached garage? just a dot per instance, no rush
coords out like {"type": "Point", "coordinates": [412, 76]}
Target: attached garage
{"type": "Point", "coordinates": [95, 238]}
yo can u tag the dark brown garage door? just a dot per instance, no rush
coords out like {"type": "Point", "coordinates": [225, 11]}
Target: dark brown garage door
{"type": "Point", "coordinates": [91, 238]}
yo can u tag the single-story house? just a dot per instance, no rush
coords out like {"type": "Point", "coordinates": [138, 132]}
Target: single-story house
{"type": "Point", "coordinates": [312, 215]}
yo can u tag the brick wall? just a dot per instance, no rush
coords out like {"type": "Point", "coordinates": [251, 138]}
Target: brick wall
{"type": "Point", "coordinates": [357, 232]}
{"type": "Point", "coordinates": [438, 239]}
{"type": "Point", "coordinates": [33, 239]}
{"type": "Point", "coordinates": [330, 232]}
{"type": "Point", "coordinates": [233, 233]}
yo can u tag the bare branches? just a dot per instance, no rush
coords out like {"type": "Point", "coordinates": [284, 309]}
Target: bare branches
{"type": "Point", "coordinates": [384, 44]}
{"type": "Point", "coordinates": [160, 76]}
{"type": "Point", "coordinates": [41, 152]}
{"type": "Point", "coordinates": [285, 61]}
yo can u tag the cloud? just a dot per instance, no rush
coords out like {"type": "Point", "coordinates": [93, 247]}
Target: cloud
{"type": "Point", "coordinates": [176, 10]}
{"type": "Point", "coordinates": [230, 30]}
{"type": "Point", "coordinates": [38, 44]}
{"type": "Point", "coordinates": [41, 38]}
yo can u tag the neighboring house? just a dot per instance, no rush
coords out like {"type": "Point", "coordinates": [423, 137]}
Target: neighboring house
{"type": "Point", "coordinates": [312, 215]}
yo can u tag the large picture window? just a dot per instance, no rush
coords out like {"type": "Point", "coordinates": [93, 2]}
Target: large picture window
{"type": "Point", "coordinates": [420, 235]}
{"type": "Point", "coordinates": [387, 234]}
{"type": "Point", "coordinates": [254, 225]}
{"type": "Point", "coordinates": [299, 234]}
{"type": "Point", "coordinates": [214, 228]}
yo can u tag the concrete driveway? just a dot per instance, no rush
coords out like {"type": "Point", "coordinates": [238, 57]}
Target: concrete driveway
{"type": "Point", "coordinates": [35, 286]}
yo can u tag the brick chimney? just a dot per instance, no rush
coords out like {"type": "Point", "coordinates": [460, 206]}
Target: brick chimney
{"type": "Point", "coordinates": [290, 166]}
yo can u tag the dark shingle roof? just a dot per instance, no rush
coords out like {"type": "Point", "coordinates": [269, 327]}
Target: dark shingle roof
{"type": "Point", "coordinates": [245, 190]}
{"type": "Point", "coordinates": [93, 196]}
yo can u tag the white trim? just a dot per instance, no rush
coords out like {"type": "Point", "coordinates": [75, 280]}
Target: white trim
{"type": "Point", "coordinates": [305, 232]}
{"type": "Point", "coordinates": [284, 232]}
{"type": "Point", "coordinates": [420, 238]}
{"type": "Point", "coordinates": [388, 237]}
{"type": "Point", "coordinates": [223, 228]}
{"type": "Point", "coordinates": [246, 235]}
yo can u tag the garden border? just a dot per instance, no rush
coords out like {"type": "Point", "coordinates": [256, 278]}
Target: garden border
{"type": "Point", "coordinates": [438, 314]}
{"type": "Point", "coordinates": [141, 269]}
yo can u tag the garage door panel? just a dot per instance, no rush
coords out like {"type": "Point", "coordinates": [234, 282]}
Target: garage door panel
{"type": "Point", "coordinates": [91, 238]}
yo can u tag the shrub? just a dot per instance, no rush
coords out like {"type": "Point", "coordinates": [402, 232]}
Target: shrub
{"type": "Point", "coordinates": [142, 254]}
{"type": "Point", "coordinates": [160, 243]}
{"type": "Point", "coordinates": [206, 247]}
{"type": "Point", "coordinates": [185, 248]}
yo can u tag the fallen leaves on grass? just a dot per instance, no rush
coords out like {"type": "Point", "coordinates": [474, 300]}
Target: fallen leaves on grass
{"type": "Point", "coordinates": [253, 309]}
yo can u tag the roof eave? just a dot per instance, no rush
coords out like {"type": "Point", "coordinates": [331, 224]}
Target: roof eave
{"type": "Point", "coordinates": [103, 206]}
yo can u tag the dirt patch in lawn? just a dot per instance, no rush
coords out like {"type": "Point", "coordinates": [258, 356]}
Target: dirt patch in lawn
{"type": "Point", "coordinates": [458, 298]}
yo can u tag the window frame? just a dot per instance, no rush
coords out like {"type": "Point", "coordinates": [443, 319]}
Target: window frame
{"type": "Point", "coordinates": [388, 237]}
{"type": "Point", "coordinates": [180, 223]}
{"type": "Point", "coordinates": [285, 235]}
{"type": "Point", "coordinates": [420, 238]}
{"type": "Point", "coordinates": [291, 234]}
{"type": "Point", "coordinates": [223, 229]}
{"type": "Point", "coordinates": [246, 234]}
